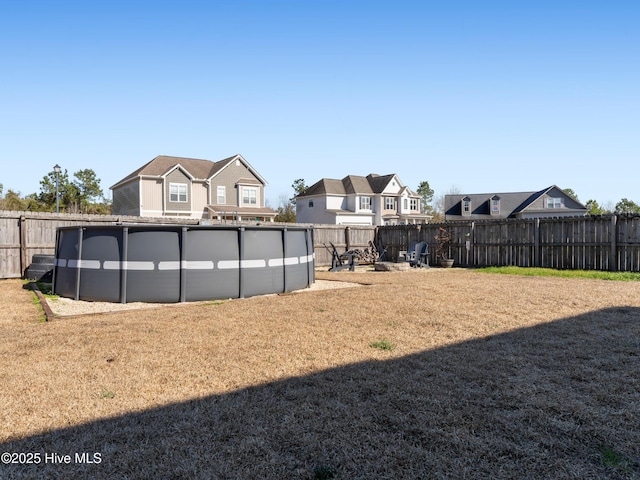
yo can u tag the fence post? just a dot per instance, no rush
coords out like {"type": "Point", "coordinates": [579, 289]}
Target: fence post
{"type": "Point", "coordinates": [347, 238]}
{"type": "Point", "coordinates": [613, 263]}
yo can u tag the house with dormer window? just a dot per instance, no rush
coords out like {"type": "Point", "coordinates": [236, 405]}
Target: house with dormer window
{"type": "Point", "coordinates": [356, 200]}
{"type": "Point", "coordinates": [550, 202]}
{"type": "Point", "coordinates": [230, 189]}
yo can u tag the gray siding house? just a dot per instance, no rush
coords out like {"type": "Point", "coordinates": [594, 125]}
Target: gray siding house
{"type": "Point", "coordinates": [550, 202]}
{"type": "Point", "coordinates": [188, 187]}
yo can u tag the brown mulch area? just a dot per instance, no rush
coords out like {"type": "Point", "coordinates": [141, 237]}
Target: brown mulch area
{"type": "Point", "coordinates": [490, 376]}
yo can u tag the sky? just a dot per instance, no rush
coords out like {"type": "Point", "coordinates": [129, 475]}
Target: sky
{"type": "Point", "coordinates": [471, 96]}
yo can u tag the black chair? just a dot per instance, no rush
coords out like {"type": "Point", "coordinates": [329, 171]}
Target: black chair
{"type": "Point", "coordinates": [419, 256]}
{"type": "Point", "coordinates": [341, 261]}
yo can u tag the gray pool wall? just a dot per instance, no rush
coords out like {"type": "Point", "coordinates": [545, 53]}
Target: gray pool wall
{"type": "Point", "coordinates": [166, 263]}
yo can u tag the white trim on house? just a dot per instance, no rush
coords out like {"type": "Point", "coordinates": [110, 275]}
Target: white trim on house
{"type": "Point", "coordinates": [178, 186]}
{"type": "Point", "coordinates": [218, 196]}
{"type": "Point", "coordinates": [253, 171]}
{"type": "Point", "coordinates": [177, 167]}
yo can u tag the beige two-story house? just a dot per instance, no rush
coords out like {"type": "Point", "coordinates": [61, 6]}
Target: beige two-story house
{"type": "Point", "coordinates": [356, 200]}
{"type": "Point", "coordinates": [230, 189]}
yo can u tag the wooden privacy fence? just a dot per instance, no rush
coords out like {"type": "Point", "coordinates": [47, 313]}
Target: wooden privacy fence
{"type": "Point", "coordinates": [24, 234]}
{"type": "Point", "coordinates": [607, 242]}
{"type": "Point", "coordinates": [343, 238]}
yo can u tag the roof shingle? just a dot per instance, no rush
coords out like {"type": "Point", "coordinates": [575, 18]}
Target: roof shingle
{"type": "Point", "coordinates": [199, 169]}
{"type": "Point", "coordinates": [351, 184]}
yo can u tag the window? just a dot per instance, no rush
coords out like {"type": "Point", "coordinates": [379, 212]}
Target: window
{"type": "Point", "coordinates": [389, 203]}
{"type": "Point", "coordinates": [310, 203]}
{"type": "Point", "coordinates": [414, 204]}
{"type": "Point", "coordinates": [365, 203]}
{"type": "Point", "coordinates": [554, 202]}
{"type": "Point", "coordinates": [495, 206]}
{"type": "Point", "coordinates": [405, 203]}
{"type": "Point", "coordinates": [466, 206]}
{"type": "Point", "coordinates": [249, 196]}
{"type": "Point", "coordinates": [222, 195]}
{"type": "Point", "coordinates": [177, 192]}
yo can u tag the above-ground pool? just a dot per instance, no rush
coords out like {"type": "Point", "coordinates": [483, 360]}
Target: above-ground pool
{"type": "Point", "coordinates": [172, 263]}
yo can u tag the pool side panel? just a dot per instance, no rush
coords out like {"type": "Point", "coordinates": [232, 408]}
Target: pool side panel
{"type": "Point", "coordinates": [165, 263]}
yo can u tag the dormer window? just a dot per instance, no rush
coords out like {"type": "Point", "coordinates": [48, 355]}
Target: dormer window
{"type": "Point", "coordinates": [494, 203]}
{"type": "Point", "coordinates": [466, 206]}
{"type": "Point", "coordinates": [365, 203]}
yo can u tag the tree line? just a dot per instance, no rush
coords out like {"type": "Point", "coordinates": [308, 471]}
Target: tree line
{"type": "Point", "coordinates": [81, 194]}
{"type": "Point", "coordinates": [623, 207]}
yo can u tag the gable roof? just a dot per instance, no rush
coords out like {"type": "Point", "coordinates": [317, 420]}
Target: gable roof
{"type": "Point", "coordinates": [528, 201]}
{"type": "Point", "coordinates": [326, 186]}
{"type": "Point", "coordinates": [199, 169]}
{"type": "Point", "coordinates": [573, 204]}
{"type": "Point", "coordinates": [222, 164]}
{"type": "Point", "coordinates": [511, 203]}
{"type": "Point", "coordinates": [379, 182]}
{"type": "Point", "coordinates": [351, 184]}
{"type": "Point", "coordinates": [356, 184]}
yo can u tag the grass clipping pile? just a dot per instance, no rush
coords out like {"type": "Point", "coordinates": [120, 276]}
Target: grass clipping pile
{"type": "Point", "coordinates": [423, 374]}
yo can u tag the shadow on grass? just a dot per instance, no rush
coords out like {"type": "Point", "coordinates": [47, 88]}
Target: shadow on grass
{"type": "Point", "coordinates": [559, 400]}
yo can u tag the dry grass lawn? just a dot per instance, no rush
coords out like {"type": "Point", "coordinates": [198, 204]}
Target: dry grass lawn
{"type": "Point", "coordinates": [472, 376]}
